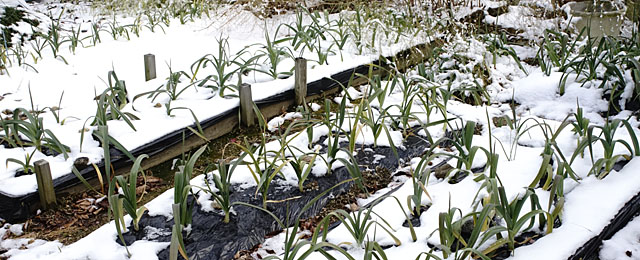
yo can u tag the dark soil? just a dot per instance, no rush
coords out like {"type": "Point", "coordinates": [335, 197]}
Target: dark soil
{"type": "Point", "coordinates": [415, 218]}
{"type": "Point", "coordinates": [78, 215]}
{"type": "Point", "coordinates": [22, 173]}
{"type": "Point", "coordinates": [524, 239]}
{"type": "Point", "coordinates": [270, 8]}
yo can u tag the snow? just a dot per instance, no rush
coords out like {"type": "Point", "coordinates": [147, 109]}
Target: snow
{"type": "Point", "coordinates": [576, 229]}
{"type": "Point", "coordinates": [539, 113]}
{"type": "Point", "coordinates": [276, 122]}
{"type": "Point", "coordinates": [38, 249]}
{"type": "Point", "coordinates": [315, 107]}
{"type": "Point", "coordinates": [522, 17]}
{"type": "Point", "coordinates": [623, 245]}
{"type": "Point", "coordinates": [538, 93]}
{"type": "Point", "coordinates": [16, 229]}
{"type": "Point", "coordinates": [536, 87]}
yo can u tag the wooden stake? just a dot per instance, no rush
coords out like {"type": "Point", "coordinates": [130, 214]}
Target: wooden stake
{"type": "Point", "coordinates": [45, 184]}
{"type": "Point", "coordinates": [149, 67]}
{"type": "Point", "coordinates": [300, 86]}
{"type": "Point", "coordinates": [247, 116]}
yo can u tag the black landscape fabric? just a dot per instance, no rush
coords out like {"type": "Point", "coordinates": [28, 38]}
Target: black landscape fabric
{"type": "Point", "coordinates": [211, 239]}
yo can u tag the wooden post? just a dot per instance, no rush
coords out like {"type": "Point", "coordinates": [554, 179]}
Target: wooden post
{"type": "Point", "coordinates": [300, 86]}
{"type": "Point", "coordinates": [45, 184]}
{"type": "Point", "coordinates": [247, 117]}
{"type": "Point", "coordinates": [149, 67]}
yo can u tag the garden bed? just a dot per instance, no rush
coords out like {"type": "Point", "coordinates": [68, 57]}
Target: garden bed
{"type": "Point", "coordinates": [166, 146]}
{"type": "Point", "coordinates": [492, 138]}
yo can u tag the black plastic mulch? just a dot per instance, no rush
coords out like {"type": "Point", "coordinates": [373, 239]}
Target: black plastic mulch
{"type": "Point", "coordinates": [212, 239]}
{"type": "Point", "coordinates": [591, 249]}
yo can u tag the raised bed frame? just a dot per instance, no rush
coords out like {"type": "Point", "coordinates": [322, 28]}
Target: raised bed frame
{"type": "Point", "coordinates": [171, 145]}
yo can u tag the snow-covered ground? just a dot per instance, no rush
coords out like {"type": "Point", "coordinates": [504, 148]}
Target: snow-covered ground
{"type": "Point", "coordinates": [625, 244]}
{"type": "Point", "coordinates": [71, 83]}
{"type": "Point", "coordinates": [537, 123]}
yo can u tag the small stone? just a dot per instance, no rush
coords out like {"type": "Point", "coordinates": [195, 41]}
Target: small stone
{"type": "Point", "coordinates": [442, 171]}
{"type": "Point", "coordinates": [501, 121]}
{"type": "Point", "coordinates": [467, 227]}
{"type": "Point", "coordinates": [628, 253]}
{"type": "Point", "coordinates": [158, 105]}
{"type": "Point", "coordinates": [81, 163]}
